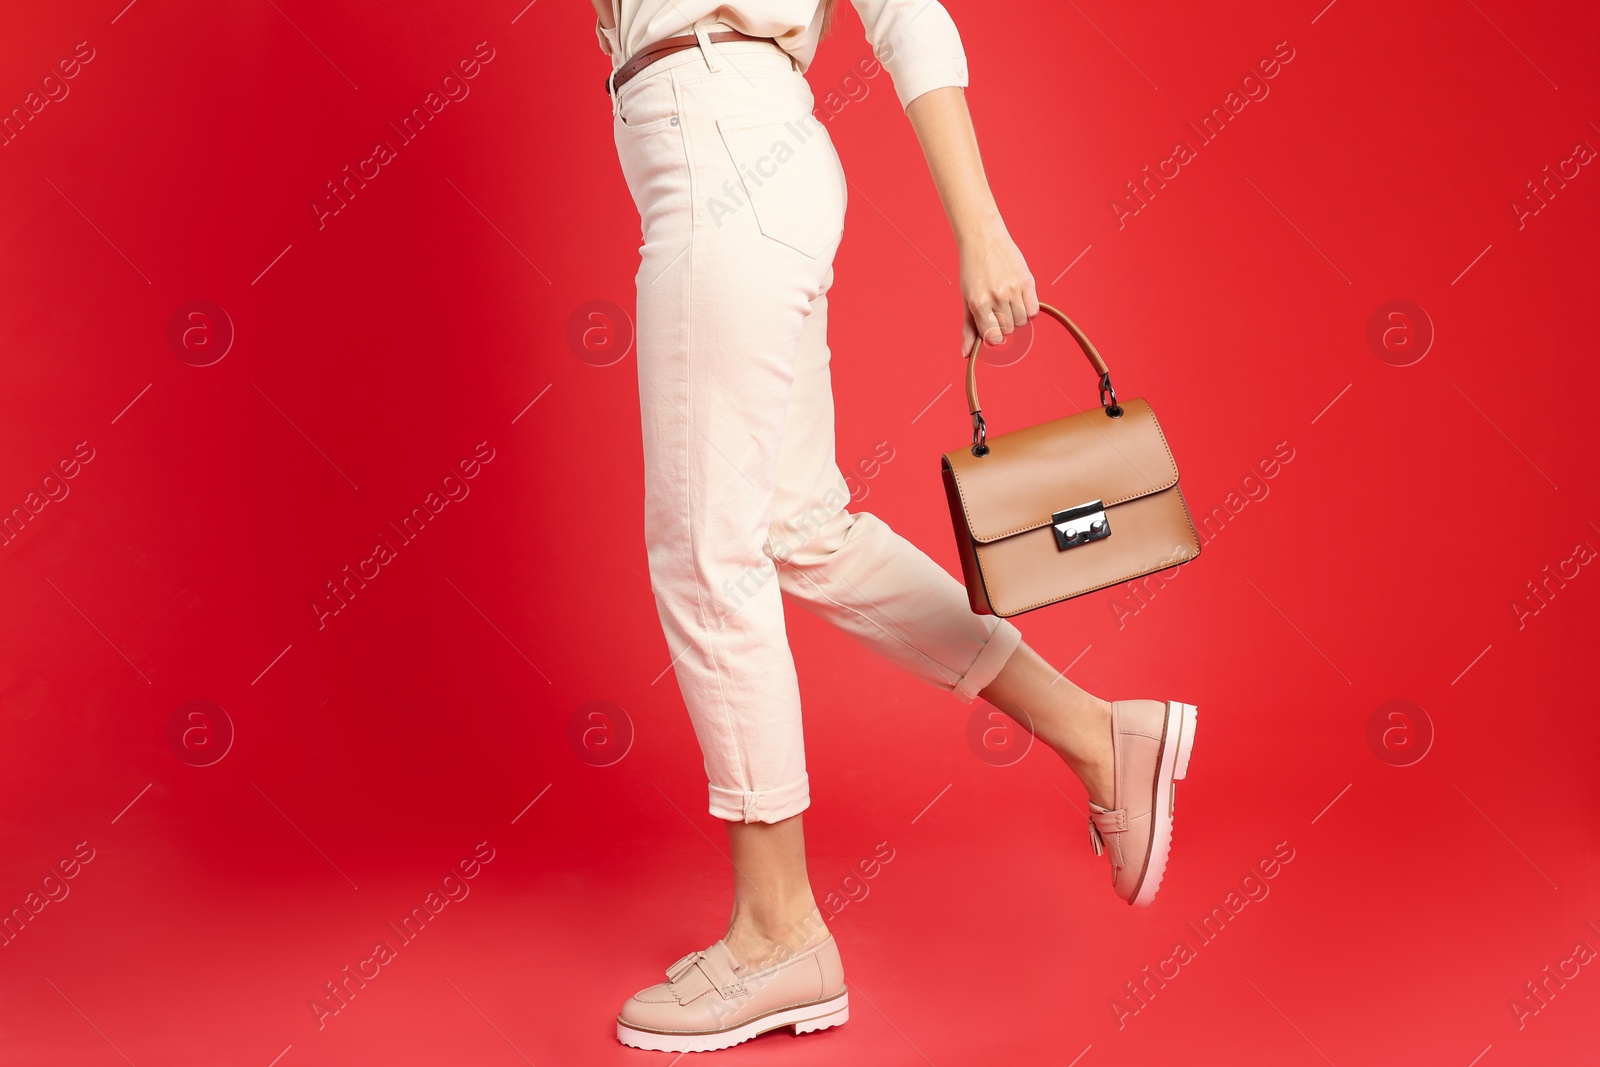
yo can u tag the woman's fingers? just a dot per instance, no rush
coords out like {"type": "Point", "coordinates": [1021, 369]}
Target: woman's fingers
{"type": "Point", "coordinates": [1023, 300]}
{"type": "Point", "coordinates": [1026, 303]}
{"type": "Point", "coordinates": [999, 315]}
{"type": "Point", "coordinates": [997, 322]}
{"type": "Point", "coordinates": [1019, 313]}
{"type": "Point", "coordinates": [1001, 296]}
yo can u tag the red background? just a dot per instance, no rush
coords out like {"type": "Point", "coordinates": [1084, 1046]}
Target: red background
{"type": "Point", "coordinates": [374, 353]}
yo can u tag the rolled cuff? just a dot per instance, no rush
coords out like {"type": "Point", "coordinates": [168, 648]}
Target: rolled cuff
{"type": "Point", "coordinates": [771, 805]}
{"type": "Point", "coordinates": [607, 40]}
{"type": "Point", "coordinates": [1003, 640]}
{"type": "Point", "coordinates": [912, 82]}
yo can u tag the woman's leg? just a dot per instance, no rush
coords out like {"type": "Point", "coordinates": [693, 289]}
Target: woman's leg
{"type": "Point", "coordinates": [851, 569]}
{"type": "Point", "coordinates": [1076, 724]}
{"type": "Point", "coordinates": [1130, 754]}
{"type": "Point", "coordinates": [722, 307]}
{"type": "Point", "coordinates": [721, 311]}
{"type": "Point", "coordinates": [774, 912]}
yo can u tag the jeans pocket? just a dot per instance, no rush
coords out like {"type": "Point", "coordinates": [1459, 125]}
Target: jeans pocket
{"type": "Point", "coordinates": [791, 176]}
{"type": "Point", "coordinates": [650, 126]}
{"type": "Point", "coordinates": [650, 105]}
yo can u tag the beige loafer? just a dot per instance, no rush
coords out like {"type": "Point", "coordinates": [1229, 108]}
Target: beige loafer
{"type": "Point", "coordinates": [707, 1004]}
{"type": "Point", "coordinates": [1150, 745]}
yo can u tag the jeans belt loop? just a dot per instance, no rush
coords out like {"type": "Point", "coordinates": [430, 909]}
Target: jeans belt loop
{"type": "Point", "coordinates": [707, 49]}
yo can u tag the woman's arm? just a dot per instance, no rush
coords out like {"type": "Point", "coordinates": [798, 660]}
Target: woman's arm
{"type": "Point", "coordinates": [602, 8]}
{"type": "Point", "coordinates": [996, 286]}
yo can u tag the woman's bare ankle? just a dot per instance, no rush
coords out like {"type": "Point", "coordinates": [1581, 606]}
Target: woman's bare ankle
{"type": "Point", "coordinates": [1083, 741]}
{"type": "Point", "coordinates": [1096, 769]}
{"type": "Point", "coordinates": [760, 938]}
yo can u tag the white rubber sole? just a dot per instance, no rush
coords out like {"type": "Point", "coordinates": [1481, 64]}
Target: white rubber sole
{"type": "Point", "coordinates": [805, 1018]}
{"type": "Point", "coordinates": [1174, 765]}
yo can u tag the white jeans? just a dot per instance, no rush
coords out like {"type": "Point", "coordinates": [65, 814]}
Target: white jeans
{"type": "Point", "coordinates": [741, 200]}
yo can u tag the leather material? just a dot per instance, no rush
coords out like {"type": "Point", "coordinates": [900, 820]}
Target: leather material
{"type": "Point", "coordinates": [665, 47]}
{"type": "Point", "coordinates": [1060, 463]}
{"type": "Point", "coordinates": [1127, 828]}
{"type": "Point", "coordinates": [698, 973]}
{"type": "Point", "coordinates": [1104, 821]}
{"type": "Point", "coordinates": [1001, 502]}
{"type": "Point", "coordinates": [705, 993]}
{"type": "Point", "coordinates": [1095, 360]}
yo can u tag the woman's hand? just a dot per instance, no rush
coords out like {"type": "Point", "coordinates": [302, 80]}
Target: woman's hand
{"type": "Point", "coordinates": [996, 287]}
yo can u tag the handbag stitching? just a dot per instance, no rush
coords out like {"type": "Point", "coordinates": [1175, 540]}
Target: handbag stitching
{"type": "Point", "coordinates": [974, 544]}
{"type": "Point", "coordinates": [971, 548]}
{"type": "Point", "coordinates": [988, 596]}
{"type": "Point", "coordinates": [1111, 503]}
{"type": "Point", "coordinates": [1194, 539]}
{"type": "Point", "coordinates": [1092, 588]}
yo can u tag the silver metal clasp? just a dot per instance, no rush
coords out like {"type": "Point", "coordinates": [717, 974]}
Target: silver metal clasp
{"type": "Point", "coordinates": [1080, 524]}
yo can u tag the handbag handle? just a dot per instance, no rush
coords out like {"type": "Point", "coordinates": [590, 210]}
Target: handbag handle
{"type": "Point", "coordinates": [980, 430]}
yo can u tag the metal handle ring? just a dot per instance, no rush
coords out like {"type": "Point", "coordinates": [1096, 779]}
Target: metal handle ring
{"type": "Point", "coordinates": [1114, 409]}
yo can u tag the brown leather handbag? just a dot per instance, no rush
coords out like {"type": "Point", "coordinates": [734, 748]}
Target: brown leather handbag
{"type": "Point", "coordinates": [1053, 511]}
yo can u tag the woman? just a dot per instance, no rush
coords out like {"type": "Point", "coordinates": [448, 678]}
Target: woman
{"type": "Point", "coordinates": [741, 199]}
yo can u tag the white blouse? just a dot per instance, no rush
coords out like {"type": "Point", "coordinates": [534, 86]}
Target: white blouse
{"type": "Point", "coordinates": [916, 40]}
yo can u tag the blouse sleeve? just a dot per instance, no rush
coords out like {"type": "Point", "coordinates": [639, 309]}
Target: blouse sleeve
{"type": "Point", "coordinates": [917, 42]}
{"type": "Point", "coordinates": [607, 39]}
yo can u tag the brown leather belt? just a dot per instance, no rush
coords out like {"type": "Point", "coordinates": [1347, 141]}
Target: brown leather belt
{"type": "Point", "coordinates": [667, 45]}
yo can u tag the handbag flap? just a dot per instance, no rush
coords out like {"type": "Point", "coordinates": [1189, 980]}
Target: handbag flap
{"type": "Point", "coordinates": [1029, 473]}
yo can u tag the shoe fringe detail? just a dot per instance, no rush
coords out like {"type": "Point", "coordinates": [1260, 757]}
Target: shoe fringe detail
{"type": "Point", "coordinates": [1107, 821]}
